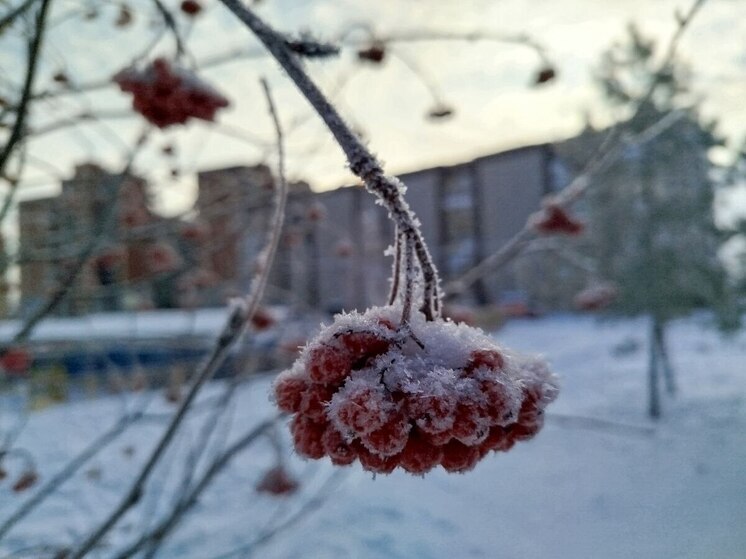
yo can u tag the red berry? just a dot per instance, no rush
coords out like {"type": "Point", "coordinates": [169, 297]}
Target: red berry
{"type": "Point", "coordinates": [499, 440]}
{"type": "Point", "coordinates": [419, 456]}
{"type": "Point", "coordinates": [337, 448]}
{"type": "Point", "coordinates": [15, 361]}
{"type": "Point", "coordinates": [363, 345]}
{"type": "Point", "coordinates": [556, 220]}
{"type": "Point", "coordinates": [373, 462]}
{"type": "Point", "coordinates": [26, 480]}
{"type": "Point", "coordinates": [328, 364]}
{"type": "Point", "coordinates": [191, 7]}
{"type": "Point", "coordinates": [307, 435]}
{"type": "Point", "coordinates": [390, 439]}
{"type": "Point", "coordinates": [289, 390]}
{"type": "Point", "coordinates": [262, 319]}
{"type": "Point", "coordinates": [433, 413]}
{"type": "Point", "coordinates": [546, 74]}
{"type": "Point", "coordinates": [375, 53]}
{"type": "Point", "coordinates": [471, 424]}
{"type": "Point", "coordinates": [457, 457]}
{"type": "Point", "coordinates": [502, 403]}
{"type": "Point", "coordinates": [359, 408]}
{"type": "Point", "coordinates": [315, 400]}
{"type": "Point", "coordinates": [277, 481]}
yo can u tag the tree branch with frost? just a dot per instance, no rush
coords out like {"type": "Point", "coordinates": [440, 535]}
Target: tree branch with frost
{"type": "Point", "coordinates": [22, 108]}
{"type": "Point", "coordinates": [610, 150]}
{"type": "Point", "coordinates": [105, 226]}
{"type": "Point", "coordinates": [166, 525]}
{"type": "Point", "coordinates": [241, 312]}
{"type": "Point", "coordinates": [361, 161]}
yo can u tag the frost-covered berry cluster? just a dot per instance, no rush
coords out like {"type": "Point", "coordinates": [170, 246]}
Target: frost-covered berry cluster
{"type": "Point", "coordinates": [431, 393]}
{"type": "Point", "coordinates": [166, 95]}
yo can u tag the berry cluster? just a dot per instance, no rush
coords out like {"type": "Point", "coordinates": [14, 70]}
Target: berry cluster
{"type": "Point", "coordinates": [166, 95]}
{"type": "Point", "coordinates": [435, 393]}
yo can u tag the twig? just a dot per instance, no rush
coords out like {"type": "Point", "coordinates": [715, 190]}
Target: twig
{"type": "Point", "coordinates": [312, 504]}
{"type": "Point", "coordinates": [241, 313]}
{"type": "Point", "coordinates": [361, 161]}
{"type": "Point", "coordinates": [104, 226]}
{"type": "Point", "coordinates": [68, 471]}
{"type": "Point", "coordinates": [601, 159]}
{"type": "Point", "coordinates": [597, 424]}
{"type": "Point", "coordinates": [166, 525]}
{"type": "Point", "coordinates": [170, 22]}
{"type": "Point", "coordinates": [17, 132]}
{"type": "Point", "coordinates": [13, 14]}
{"type": "Point", "coordinates": [565, 198]}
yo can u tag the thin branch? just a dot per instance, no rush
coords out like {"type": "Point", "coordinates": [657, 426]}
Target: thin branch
{"type": "Point", "coordinates": [241, 313]}
{"type": "Point", "coordinates": [68, 471]}
{"type": "Point", "coordinates": [395, 268]}
{"type": "Point", "coordinates": [600, 161]}
{"type": "Point", "coordinates": [13, 14]}
{"type": "Point", "coordinates": [311, 505]}
{"type": "Point", "coordinates": [170, 22]}
{"type": "Point", "coordinates": [97, 238]}
{"type": "Point", "coordinates": [17, 132]}
{"type": "Point", "coordinates": [361, 161]}
{"type": "Point", "coordinates": [565, 198]}
{"type": "Point", "coordinates": [169, 522]}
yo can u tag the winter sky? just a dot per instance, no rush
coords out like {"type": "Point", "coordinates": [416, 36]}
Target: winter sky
{"type": "Point", "coordinates": [487, 83]}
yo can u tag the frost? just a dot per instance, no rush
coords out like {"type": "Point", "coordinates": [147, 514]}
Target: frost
{"type": "Point", "coordinates": [432, 393]}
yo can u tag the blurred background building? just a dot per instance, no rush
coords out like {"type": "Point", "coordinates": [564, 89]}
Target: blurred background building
{"type": "Point", "coordinates": [331, 254]}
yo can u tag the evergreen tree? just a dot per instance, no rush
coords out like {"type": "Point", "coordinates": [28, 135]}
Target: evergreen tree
{"type": "Point", "coordinates": [651, 213]}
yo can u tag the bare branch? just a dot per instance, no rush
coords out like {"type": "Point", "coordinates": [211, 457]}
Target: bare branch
{"type": "Point", "coordinates": [362, 162]}
{"type": "Point", "coordinates": [241, 313]}
{"type": "Point", "coordinates": [34, 52]}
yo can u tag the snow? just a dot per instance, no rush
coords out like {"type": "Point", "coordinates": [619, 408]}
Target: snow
{"type": "Point", "coordinates": [577, 490]}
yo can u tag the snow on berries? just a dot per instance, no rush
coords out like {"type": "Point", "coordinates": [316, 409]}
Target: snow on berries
{"type": "Point", "coordinates": [166, 95]}
{"type": "Point", "coordinates": [431, 393]}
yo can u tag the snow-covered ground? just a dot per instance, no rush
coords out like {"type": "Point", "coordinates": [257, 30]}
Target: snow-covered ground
{"type": "Point", "coordinates": [579, 490]}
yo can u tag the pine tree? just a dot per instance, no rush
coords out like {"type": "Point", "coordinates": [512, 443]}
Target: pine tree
{"type": "Point", "coordinates": [651, 214]}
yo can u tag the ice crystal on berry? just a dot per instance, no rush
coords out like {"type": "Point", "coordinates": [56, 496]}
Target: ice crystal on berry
{"type": "Point", "coordinates": [166, 95]}
{"type": "Point", "coordinates": [431, 393]}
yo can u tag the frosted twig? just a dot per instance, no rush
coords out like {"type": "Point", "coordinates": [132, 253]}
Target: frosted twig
{"type": "Point", "coordinates": [603, 157]}
{"type": "Point", "coordinates": [361, 161]}
{"type": "Point", "coordinates": [163, 528]}
{"type": "Point", "coordinates": [68, 471]}
{"type": "Point", "coordinates": [242, 310]}
{"type": "Point", "coordinates": [34, 52]}
{"type": "Point", "coordinates": [565, 198]}
{"type": "Point", "coordinates": [395, 268]}
{"type": "Point", "coordinates": [311, 505]}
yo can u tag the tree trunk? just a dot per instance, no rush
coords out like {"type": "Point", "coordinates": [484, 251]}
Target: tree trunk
{"type": "Point", "coordinates": [654, 398]}
{"type": "Point", "coordinates": [669, 375]}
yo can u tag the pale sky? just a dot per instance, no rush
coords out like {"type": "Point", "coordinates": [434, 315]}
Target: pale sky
{"type": "Point", "coordinates": [485, 82]}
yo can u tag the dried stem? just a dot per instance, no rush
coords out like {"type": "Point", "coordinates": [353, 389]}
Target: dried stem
{"type": "Point", "coordinates": [395, 268]}
{"type": "Point", "coordinates": [362, 163]}
{"type": "Point", "coordinates": [409, 281]}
